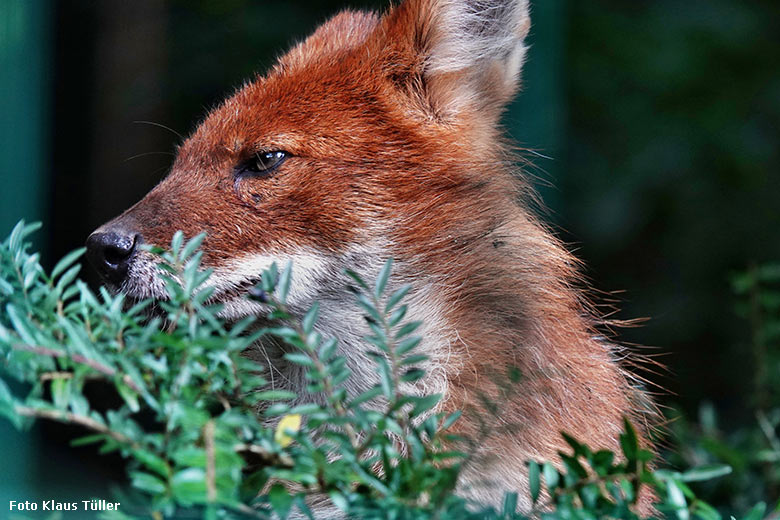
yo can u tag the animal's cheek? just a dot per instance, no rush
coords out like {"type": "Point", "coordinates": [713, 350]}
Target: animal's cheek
{"type": "Point", "coordinates": [250, 192]}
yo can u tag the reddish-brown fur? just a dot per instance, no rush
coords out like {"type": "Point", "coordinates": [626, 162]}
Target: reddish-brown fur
{"type": "Point", "coordinates": [383, 149]}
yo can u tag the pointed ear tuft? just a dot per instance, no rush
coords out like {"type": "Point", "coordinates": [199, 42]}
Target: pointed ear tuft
{"type": "Point", "coordinates": [474, 33]}
{"type": "Point", "coordinates": [470, 51]}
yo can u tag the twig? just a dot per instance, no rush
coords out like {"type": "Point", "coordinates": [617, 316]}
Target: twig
{"type": "Point", "coordinates": [223, 401]}
{"type": "Point", "coordinates": [48, 376]}
{"type": "Point", "coordinates": [76, 358]}
{"type": "Point", "coordinates": [245, 509]}
{"type": "Point", "coordinates": [211, 471]}
{"type": "Point", "coordinates": [276, 459]}
{"type": "Point", "coordinates": [81, 420]}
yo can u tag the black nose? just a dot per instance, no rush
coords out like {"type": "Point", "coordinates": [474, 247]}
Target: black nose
{"type": "Point", "coordinates": [110, 252]}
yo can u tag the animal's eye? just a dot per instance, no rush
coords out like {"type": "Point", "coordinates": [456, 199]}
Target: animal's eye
{"type": "Point", "coordinates": [263, 163]}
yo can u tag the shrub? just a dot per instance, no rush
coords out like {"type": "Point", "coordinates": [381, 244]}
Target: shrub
{"type": "Point", "coordinates": [202, 431]}
{"type": "Point", "coordinates": [752, 448]}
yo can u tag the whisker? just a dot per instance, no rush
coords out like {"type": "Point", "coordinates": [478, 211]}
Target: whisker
{"type": "Point", "coordinates": [148, 153]}
{"type": "Point", "coordinates": [161, 126]}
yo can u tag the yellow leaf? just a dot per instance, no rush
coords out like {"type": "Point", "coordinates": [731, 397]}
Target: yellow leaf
{"type": "Point", "coordinates": [290, 422]}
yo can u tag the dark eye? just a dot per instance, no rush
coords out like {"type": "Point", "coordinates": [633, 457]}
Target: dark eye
{"type": "Point", "coordinates": [263, 163]}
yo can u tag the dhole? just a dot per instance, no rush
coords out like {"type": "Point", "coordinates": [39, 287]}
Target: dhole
{"type": "Point", "coordinates": [377, 137]}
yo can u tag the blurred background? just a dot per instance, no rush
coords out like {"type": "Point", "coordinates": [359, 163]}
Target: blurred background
{"type": "Point", "coordinates": [653, 127]}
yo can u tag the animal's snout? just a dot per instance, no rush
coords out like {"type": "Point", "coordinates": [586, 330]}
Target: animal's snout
{"type": "Point", "coordinates": [110, 252]}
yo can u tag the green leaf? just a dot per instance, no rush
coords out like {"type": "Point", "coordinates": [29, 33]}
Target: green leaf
{"type": "Point", "coordinates": [510, 504]}
{"type": "Point", "coordinates": [80, 339]}
{"type": "Point", "coordinates": [705, 473]}
{"type": "Point", "coordinates": [16, 237]}
{"type": "Point", "coordinates": [270, 278]}
{"type": "Point", "coordinates": [192, 245]}
{"type": "Point", "coordinates": [30, 277]}
{"type": "Point", "coordinates": [19, 321]}
{"type": "Point", "coordinates": [275, 395]}
{"type": "Point", "coordinates": [280, 500]}
{"type": "Point", "coordinates": [128, 394]}
{"type": "Point", "coordinates": [6, 288]}
{"type": "Point", "coordinates": [368, 306]}
{"type": "Point", "coordinates": [397, 315]}
{"type": "Point", "coordinates": [366, 396]}
{"type": "Point", "coordinates": [189, 456]}
{"type": "Point", "coordinates": [381, 281]}
{"type": "Point", "coordinates": [577, 447]}
{"type": "Point", "coordinates": [88, 439]}
{"type": "Point", "coordinates": [151, 461]}
{"type": "Point", "coordinates": [414, 360]}
{"type": "Point", "coordinates": [285, 333]}
{"type": "Point", "coordinates": [60, 392]}
{"type": "Point", "coordinates": [407, 345]}
{"type": "Point", "coordinates": [311, 318]}
{"type": "Point", "coordinates": [450, 420]}
{"type": "Point", "coordinates": [534, 482]}
{"type": "Point", "coordinates": [189, 486]}
{"type": "Point", "coordinates": [283, 287]}
{"type": "Point", "coordinates": [300, 502]}
{"type": "Point", "coordinates": [628, 441]}
{"type": "Point", "coordinates": [574, 467]}
{"type": "Point", "coordinates": [339, 500]}
{"type": "Point", "coordinates": [66, 261]}
{"type": "Point", "coordinates": [589, 494]}
{"type": "Point", "coordinates": [176, 242]}
{"type": "Point", "coordinates": [397, 296]}
{"type": "Point", "coordinates": [147, 482]}
{"type": "Point", "coordinates": [408, 329]}
{"type": "Point", "coordinates": [412, 375]}
{"type": "Point", "coordinates": [327, 349]}
{"type": "Point", "coordinates": [551, 476]}
{"type": "Point", "coordinates": [425, 403]}
{"type": "Point", "coordinates": [677, 499]}
{"type": "Point", "coordinates": [356, 277]}
{"type": "Point", "coordinates": [705, 511]}
{"type": "Point", "coordinates": [602, 461]}
{"type": "Point", "coordinates": [385, 377]}
{"type": "Point", "coordinates": [299, 359]}
{"type": "Point", "coordinates": [757, 512]}
{"type": "Point", "coordinates": [306, 409]}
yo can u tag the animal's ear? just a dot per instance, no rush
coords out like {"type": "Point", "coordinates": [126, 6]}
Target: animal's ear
{"type": "Point", "coordinates": [460, 54]}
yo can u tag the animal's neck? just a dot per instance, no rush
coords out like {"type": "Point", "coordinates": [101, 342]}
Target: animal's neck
{"type": "Point", "coordinates": [503, 299]}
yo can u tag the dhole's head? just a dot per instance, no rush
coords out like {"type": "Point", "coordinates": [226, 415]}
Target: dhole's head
{"type": "Point", "coordinates": [375, 137]}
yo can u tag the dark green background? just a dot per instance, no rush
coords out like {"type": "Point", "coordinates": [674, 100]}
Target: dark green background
{"type": "Point", "coordinates": [653, 127]}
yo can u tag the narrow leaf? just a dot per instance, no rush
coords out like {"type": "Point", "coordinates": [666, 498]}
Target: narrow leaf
{"type": "Point", "coordinates": [534, 482]}
{"type": "Point", "coordinates": [381, 281]}
{"type": "Point", "coordinates": [66, 261]}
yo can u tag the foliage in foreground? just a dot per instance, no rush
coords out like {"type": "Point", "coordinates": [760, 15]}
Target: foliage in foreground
{"type": "Point", "coordinates": [202, 431]}
{"type": "Point", "coordinates": [752, 446]}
